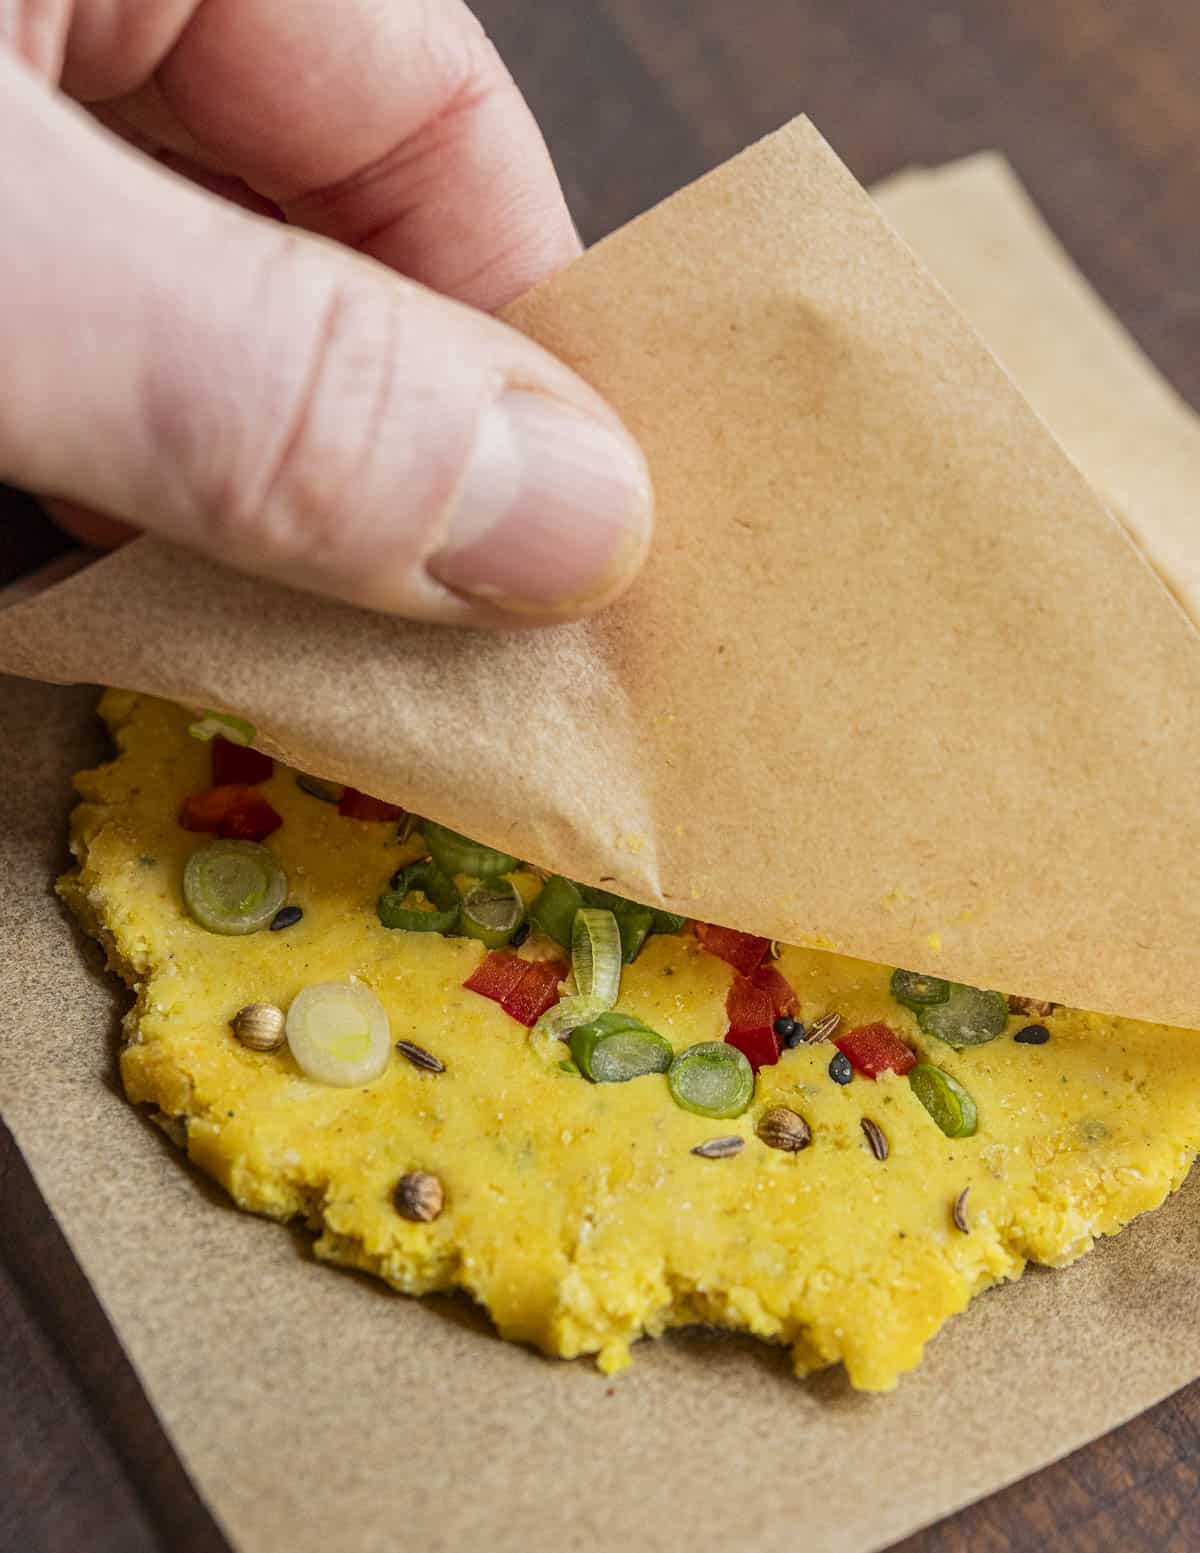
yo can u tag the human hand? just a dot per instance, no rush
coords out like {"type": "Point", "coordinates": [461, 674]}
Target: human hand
{"type": "Point", "coordinates": [285, 402]}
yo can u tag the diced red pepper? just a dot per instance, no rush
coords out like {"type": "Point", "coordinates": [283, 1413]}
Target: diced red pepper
{"type": "Point", "coordinates": [784, 1001]}
{"type": "Point", "coordinates": [235, 812]}
{"type": "Point", "coordinates": [251, 820]}
{"type": "Point", "coordinates": [748, 1007]}
{"type": "Point", "coordinates": [760, 1047]}
{"type": "Point", "coordinates": [496, 975]}
{"type": "Point", "coordinates": [238, 763]}
{"type": "Point", "coordinates": [740, 950]}
{"type": "Point", "coordinates": [536, 991]}
{"type": "Point", "coordinates": [524, 989]}
{"type": "Point", "coordinates": [361, 806]}
{"type": "Point", "coordinates": [876, 1049]}
{"type": "Point", "coordinates": [205, 811]}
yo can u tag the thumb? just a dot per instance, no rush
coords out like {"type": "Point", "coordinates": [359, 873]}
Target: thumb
{"type": "Point", "coordinates": [286, 406]}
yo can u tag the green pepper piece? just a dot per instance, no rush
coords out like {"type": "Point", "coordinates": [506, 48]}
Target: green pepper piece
{"type": "Point", "coordinates": [711, 1079]}
{"type": "Point", "coordinates": [233, 887]}
{"type": "Point", "coordinates": [492, 912]}
{"type": "Point", "coordinates": [968, 1017]}
{"type": "Point", "coordinates": [916, 991]}
{"type": "Point", "coordinates": [945, 1099]}
{"type": "Point", "coordinates": [614, 1048]}
{"type": "Point", "coordinates": [455, 854]}
{"type": "Point", "coordinates": [425, 879]}
{"type": "Point", "coordinates": [554, 909]}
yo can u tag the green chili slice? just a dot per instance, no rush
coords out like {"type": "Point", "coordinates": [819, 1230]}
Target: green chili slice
{"type": "Point", "coordinates": [916, 991]}
{"type": "Point", "coordinates": [425, 879]}
{"type": "Point", "coordinates": [455, 854]}
{"type": "Point", "coordinates": [492, 912]}
{"type": "Point", "coordinates": [233, 887]}
{"type": "Point", "coordinates": [968, 1017]}
{"type": "Point", "coordinates": [613, 1048]}
{"type": "Point", "coordinates": [711, 1079]}
{"type": "Point", "coordinates": [596, 954]}
{"type": "Point", "coordinates": [945, 1099]}
{"type": "Point", "coordinates": [553, 912]}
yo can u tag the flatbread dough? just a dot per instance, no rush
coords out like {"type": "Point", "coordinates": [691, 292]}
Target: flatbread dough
{"type": "Point", "coordinates": [577, 1213]}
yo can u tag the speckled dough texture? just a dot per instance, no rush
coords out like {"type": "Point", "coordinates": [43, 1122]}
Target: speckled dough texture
{"type": "Point", "coordinates": [577, 1214]}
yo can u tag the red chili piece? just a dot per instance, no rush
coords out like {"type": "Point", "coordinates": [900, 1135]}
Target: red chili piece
{"type": "Point", "coordinates": [876, 1049]}
{"type": "Point", "coordinates": [536, 991]}
{"type": "Point", "coordinates": [496, 975]}
{"type": "Point", "coordinates": [748, 1007]}
{"type": "Point", "coordinates": [235, 812]}
{"type": "Point", "coordinates": [524, 989]}
{"type": "Point", "coordinates": [360, 806]}
{"type": "Point", "coordinates": [784, 1002]}
{"type": "Point", "coordinates": [744, 952]}
{"type": "Point", "coordinates": [760, 1047]}
{"type": "Point", "coordinates": [239, 763]}
{"type": "Point", "coordinates": [251, 820]}
{"type": "Point", "coordinates": [205, 811]}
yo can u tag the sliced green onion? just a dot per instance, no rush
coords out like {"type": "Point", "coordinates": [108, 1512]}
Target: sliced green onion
{"type": "Point", "coordinates": [711, 1079]}
{"type": "Point", "coordinates": [968, 1017]}
{"type": "Point", "coordinates": [455, 854]}
{"type": "Point", "coordinates": [635, 922]}
{"type": "Point", "coordinates": [233, 887]}
{"type": "Point", "coordinates": [916, 991]}
{"type": "Point", "coordinates": [945, 1099]}
{"type": "Point", "coordinates": [614, 1048]}
{"type": "Point", "coordinates": [596, 954]}
{"type": "Point", "coordinates": [556, 1024]}
{"type": "Point", "coordinates": [338, 1032]}
{"type": "Point", "coordinates": [420, 879]}
{"type": "Point", "coordinates": [667, 921]}
{"type": "Point", "coordinates": [553, 912]}
{"type": "Point", "coordinates": [209, 724]}
{"type": "Point", "coordinates": [492, 912]}
{"type": "Point", "coordinates": [318, 787]}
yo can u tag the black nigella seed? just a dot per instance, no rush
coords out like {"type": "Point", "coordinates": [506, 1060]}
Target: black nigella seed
{"type": "Point", "coordinates": [785, 1029]}
{"type": "Point", "coordinates": [519, 936]}
{"type": "Point", "coordinates": [840, 1070]}
{"type": "Point", "coordinates": [286, 916]}
{"type": "Point", "coordinates": [1032, 1035]}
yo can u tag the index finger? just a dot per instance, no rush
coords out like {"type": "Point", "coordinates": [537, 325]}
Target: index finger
{"type": "Point", "coordinates": [393, 128]}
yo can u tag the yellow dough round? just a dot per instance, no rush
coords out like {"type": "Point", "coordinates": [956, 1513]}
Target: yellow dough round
{"type": "Point", "coordinates": [577, 1214]}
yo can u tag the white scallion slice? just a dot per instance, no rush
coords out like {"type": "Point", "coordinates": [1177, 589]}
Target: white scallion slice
{"type": "Point", "coordinates": [596, 955]}
{"type": "Point", "coordinates": [233, 887]}
{"type": "Point", "coordinates": [209, 724]}
{"type": "Point", "coordinates": [556, 1025]}
{"type": "Point", "coordinates": [338, 1032]}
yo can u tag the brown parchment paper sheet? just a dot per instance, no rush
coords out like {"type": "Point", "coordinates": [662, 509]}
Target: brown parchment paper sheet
{"type": "Point", "coordinates": [319, 1412]}
{"type": "Point", "coordinates": [893, 681]}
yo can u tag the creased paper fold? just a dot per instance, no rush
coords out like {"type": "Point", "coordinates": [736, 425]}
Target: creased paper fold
{"type": "Point", "coordinates": [894, 681]}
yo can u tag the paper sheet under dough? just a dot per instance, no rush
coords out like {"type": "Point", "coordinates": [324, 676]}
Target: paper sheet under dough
{"type": "Point", "coordinates": [317, 1411]}
{"type": "Point", "coordinates": [894, 680]}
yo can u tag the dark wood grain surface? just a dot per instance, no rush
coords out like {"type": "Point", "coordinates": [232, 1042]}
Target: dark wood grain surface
{"type": "Point", "coordinates": [1098, 106]}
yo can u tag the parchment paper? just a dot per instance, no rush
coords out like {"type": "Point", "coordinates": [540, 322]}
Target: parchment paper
{"type": "Point", "coordinates": [318, 1412]}
{"type": "Point", "coordinates": [894, 680]}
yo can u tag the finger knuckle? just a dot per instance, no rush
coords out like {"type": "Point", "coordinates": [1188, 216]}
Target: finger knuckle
{"type": "Point", "coordinates": [309, 484]}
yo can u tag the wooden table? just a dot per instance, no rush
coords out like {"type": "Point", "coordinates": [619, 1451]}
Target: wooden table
{"type": "Point", "coordinates": [1098, 106]}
